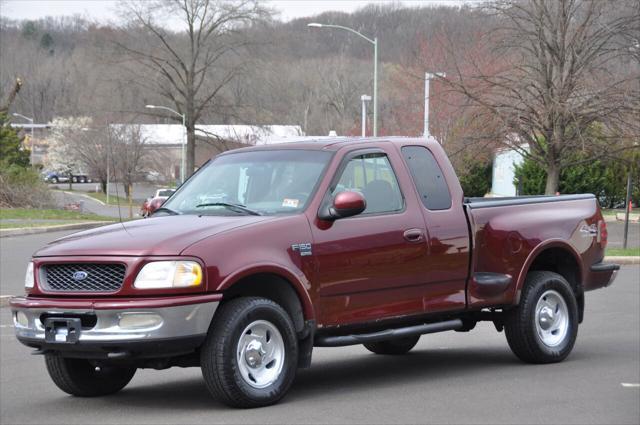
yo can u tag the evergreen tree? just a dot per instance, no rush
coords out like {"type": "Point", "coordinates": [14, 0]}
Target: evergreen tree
{"type": "Point", "coordinates": [11, 152]}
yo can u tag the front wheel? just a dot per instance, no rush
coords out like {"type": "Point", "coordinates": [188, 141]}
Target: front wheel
{"type": "Point", "coordinates": [393, 346]}
{"type": "Point", "coordinates": [544, 327]}
{"type": "Point", "coordinates": [250, 356]}
{"type": "Point", "coordinates": [80, 378]}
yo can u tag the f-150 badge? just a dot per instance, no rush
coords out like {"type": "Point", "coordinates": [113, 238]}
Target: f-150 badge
{"type": "Point", "coordinates": [303, 248]}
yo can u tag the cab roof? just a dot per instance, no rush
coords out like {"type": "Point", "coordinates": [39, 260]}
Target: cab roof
{"type": "Point", "coordinates": [332, 143]}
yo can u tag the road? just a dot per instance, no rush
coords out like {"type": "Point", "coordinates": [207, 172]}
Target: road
{"type": "Point", "coordinates": [448, 378]}
{"type": "Point", "coordinates": [141, 191]}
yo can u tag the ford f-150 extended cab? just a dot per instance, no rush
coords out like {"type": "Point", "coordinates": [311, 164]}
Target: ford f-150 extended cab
{"type": "Point", "coordinates": [267, 252]}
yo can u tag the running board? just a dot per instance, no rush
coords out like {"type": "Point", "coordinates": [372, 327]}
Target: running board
{"type": "Point", "coordinates": [427, 328]}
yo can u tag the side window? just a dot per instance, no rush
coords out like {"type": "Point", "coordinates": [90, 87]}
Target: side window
{"type": "Point", "coordinates": [371, 174]}
{"type": "Point", "coordinates": [427, 175]}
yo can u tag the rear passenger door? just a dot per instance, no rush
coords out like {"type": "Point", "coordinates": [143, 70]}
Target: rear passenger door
{"type": "Point", "coordinates": [369, 267]}
{"type": "Point", "coordinates": [446, 268]}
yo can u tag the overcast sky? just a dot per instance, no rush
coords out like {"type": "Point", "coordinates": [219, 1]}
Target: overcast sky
{"type": "Point", "coordinates": [103, 10]}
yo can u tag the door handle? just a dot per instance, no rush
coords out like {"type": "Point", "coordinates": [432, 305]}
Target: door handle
{"type": "Point", "coordinates": [413, 235]}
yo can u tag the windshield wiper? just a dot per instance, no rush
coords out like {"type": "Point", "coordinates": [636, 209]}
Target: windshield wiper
{"type": "Point", "coordinates": [167, 210]}
{"type": "Point", "coordinates": [234, 207]}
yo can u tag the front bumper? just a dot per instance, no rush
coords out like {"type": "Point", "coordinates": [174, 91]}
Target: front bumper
{"type": "Point", "coordinates": [114, 328]}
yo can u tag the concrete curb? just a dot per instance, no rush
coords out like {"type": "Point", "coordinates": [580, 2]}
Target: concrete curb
{"type": "Point", "coordinates": [623, 260]}
{"type": "Point", "coordinates": [46, 229]}
{"type": "Point", "coordinates": [4, 300]}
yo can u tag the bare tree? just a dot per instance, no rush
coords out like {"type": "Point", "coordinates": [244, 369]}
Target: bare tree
{"type": "Point", "coordinates": [189, 68]}
{"type": "Point", "coordinates": [558, 82]}
{"type": "Point", "coordinates": [127, 153]}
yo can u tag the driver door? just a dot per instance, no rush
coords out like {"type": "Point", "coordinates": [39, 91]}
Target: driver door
{"type": "Point", "coordinates": [369, 265]}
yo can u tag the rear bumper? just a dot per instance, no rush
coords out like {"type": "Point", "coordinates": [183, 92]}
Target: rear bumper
{"type": "Point", "coordinates": [602, 275]}
{"type": "Point", "coordinates": [114, 328]}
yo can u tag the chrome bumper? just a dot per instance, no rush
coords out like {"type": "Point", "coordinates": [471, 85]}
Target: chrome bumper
{"type": "Point", "coordinates": [118, 325]}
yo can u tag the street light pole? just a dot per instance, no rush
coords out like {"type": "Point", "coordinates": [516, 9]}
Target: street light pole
{"type": "Point", "coordinates": [183, 165]}
{"type": "Point", "coordinates": [375, 66]}
{"type": "Point", "coordinates": [364, 98]}
{"type": "Point", "coordinates": [32, 137]}
{"type": "Point", "coordinates": [427, 80]}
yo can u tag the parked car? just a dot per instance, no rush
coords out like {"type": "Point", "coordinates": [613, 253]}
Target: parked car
{"type": "Point", "coordinates": [155, 201]}
{"type": "Point", "coordinates": [267, 252]}
{"type": "Point", "coordinates": [57, 177]}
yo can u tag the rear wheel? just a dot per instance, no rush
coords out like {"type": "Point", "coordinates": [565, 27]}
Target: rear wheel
{"type": "Point", "coordinates": [80, 378]}
{"type": "Point", "coordinates": [393, 346]}
{"type": "Point", "coordinates": [544, 327]}
{"type": "Point", "coordinates": [250, 356]}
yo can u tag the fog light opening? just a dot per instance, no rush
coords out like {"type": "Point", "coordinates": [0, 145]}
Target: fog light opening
{"type": "Point", "coordinates": [139, 320]}
{"type": "Point", "coordinates": [20, 320]}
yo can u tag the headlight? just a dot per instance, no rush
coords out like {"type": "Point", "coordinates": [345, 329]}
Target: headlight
{"type": "Point", "coordinates": [169, 274]}
{"type": "Point", "coordinates": [28, 277]}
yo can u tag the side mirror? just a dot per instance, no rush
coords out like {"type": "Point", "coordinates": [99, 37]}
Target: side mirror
{"type": "Point", "coordinates": [345, 204]}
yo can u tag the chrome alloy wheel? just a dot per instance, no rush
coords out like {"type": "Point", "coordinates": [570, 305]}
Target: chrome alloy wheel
{"type": "Point", "coordinates": [551, 318]}
{"type": "Point", "coordinates": [260, 354]}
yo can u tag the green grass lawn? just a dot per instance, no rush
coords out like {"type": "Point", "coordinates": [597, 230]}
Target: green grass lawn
{"type": "Point", "coordinates": [619, 252]}
{"type": "Point", "coordinates": [26, 214]}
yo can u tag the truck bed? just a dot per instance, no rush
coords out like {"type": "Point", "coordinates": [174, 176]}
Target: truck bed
{"type": "Point", "coordinates": [507, 235]}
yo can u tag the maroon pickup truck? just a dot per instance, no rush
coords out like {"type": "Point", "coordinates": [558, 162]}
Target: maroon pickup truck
{"type": "Point", "coordinates": [267, 252]}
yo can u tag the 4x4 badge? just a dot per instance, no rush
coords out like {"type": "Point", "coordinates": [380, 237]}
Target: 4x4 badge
{"type": "Point", "coordinates": [303, 248]}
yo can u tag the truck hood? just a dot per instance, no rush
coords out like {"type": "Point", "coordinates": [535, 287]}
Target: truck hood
{"type": "Point", "coordinates": [167, 235]}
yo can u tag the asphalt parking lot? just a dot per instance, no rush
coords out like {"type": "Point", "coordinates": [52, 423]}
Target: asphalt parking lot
{"type": "Point", "coordinates": [448, 378]}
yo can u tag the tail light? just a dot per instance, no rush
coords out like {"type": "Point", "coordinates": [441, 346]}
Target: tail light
{"type": "Point", "coordinates": [602, 236]}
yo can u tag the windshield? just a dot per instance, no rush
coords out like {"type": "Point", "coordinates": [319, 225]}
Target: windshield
{"type": "Point", "coordinates": [257, 182]}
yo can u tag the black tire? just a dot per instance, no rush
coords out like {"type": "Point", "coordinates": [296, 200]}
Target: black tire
{"type": "Point", "coordinates": [54, 180]}
{"type": "Point", "coordinates": [520, 324]}
{"type": "Point", "coordinates": [393, 346]}
{"type": "Point", "coordinates": [74, 179]}
{"type": "Point", "coordinates": [80, 378]}
{"type": "Point", "coordinates": [219, 363]}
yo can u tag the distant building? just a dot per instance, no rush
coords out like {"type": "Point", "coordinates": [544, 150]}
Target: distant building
{"type": "Point", "coordinates": [38, 142]}
{"type": "Point", "coordinates": [164, 142]}
{"type": "Point", "coordinates": [504, 164]}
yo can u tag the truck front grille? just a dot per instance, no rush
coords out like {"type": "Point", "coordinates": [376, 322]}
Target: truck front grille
{"type": "Point", "coordinates": [83, 277]}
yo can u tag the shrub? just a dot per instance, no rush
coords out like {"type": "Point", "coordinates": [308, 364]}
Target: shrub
{"type": "Point", "coordinates": [476, 179]}
{"type": "Point", "coordinates": [605, 179]}
{"type": "Point", "coordinates": [22, 187]}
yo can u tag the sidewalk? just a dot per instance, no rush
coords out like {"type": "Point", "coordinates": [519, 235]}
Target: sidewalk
{"type": "Point", "coordinates": [91, 205]}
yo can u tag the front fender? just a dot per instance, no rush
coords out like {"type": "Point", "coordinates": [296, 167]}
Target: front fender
{"type": "Point", "coordinates": [295, 277]}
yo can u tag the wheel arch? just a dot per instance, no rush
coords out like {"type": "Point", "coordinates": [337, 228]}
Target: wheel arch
{"type": "Point", "coordinates": [560, 257]}
{"type": "Point", "coordinates": [276, 283]}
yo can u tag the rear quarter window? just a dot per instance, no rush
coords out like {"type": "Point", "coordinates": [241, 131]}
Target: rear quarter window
{"type": "Point", "coordinates": [428, 178]}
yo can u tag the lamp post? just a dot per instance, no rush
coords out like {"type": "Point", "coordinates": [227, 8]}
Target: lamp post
{"type": "Point", "coordinates": [32, 139]}
{"type": "Point", "coordinates": [184, 142]}
{"type": "Point", "coordinates": [364, 98]}
{"type": "Point", "coordinates": [427, 80]}
{"type": "Point", "coordinates": [375, 66]}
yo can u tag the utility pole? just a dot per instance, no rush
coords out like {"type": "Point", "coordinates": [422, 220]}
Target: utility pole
{"type": "Point", "coordinates": [373, 41]}
{"type": "Point", "coordinates": [626, 212]}
{"type": "Point", "coordinates": [364, 98]}
{"type": "Point", "coordinates": [427, 80]}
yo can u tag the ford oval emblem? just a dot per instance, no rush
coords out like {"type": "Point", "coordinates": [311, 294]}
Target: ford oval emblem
{"type": "Point", "coordinates": [80, 275]}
